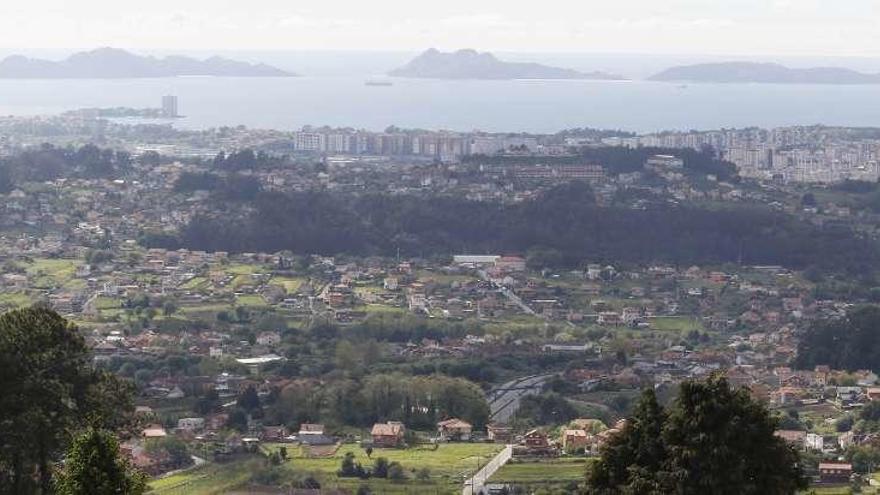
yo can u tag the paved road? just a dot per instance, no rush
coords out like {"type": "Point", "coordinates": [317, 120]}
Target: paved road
{"type": "Point", "coordinates": [474, 485]}
{"type": "Point", "coordinates": [505, 400]}
{"type": "Point", "coordinates": [507, 293]}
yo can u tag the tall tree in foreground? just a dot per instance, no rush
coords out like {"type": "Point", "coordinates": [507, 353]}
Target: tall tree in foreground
{"type": "Point", "coordinates": [630, 457]}
{"type": "Point", "coordinates": [713, 439]}
{"type": "Point", "coordinates": [49, 391]}
{"type": "Point", "coordinates": [93, 466]}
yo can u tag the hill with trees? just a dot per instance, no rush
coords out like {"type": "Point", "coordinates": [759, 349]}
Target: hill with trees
{"type": "Point", "coordinates": [565, 225]}
{"type": "Point", "coordinates": [850, 343]}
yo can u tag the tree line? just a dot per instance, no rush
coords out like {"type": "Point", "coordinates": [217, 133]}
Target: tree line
{"type": "Point", "coordinates": [618, 160]}
{"type": "Point", "coordinates": [417, 401]}
{"type": "Point", "coordinates": [564, 227]}
{"type": "Point", "coordinates": [850, 342]}
{"type": "Point", "coordinates": [48, 162]}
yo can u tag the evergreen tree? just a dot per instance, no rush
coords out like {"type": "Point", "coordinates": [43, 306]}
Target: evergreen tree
{"type": "Point", "coordinates": [714, 439]}
{"type": "Point", "coordinates": [50, 390]}
{"type": "Point", "coordinates": [94, 467]}
{"type": "Point", "coordinates": [639, 444]}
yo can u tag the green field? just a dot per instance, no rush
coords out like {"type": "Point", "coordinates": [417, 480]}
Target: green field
{"type": "Point", "coordinates": [46, 273]}
{"type": "Point", "coordinates": [12, 300]}
{"type": "Point", "coordinates": [241, 269]}
{"type": "Point", "coordinates": [291, 285]}
{"type": "Point", "coordinates": [675, 323]}
{"type": "Point", "coordinates": [381, 308]}
{"type": "Point", "coordinates": [107, 303]}
{"type": "Point", "coordinates": [209, 479]}
{"type": "Point", "coordinates": [449, 464]}
{"type": "Point", "coordinates": [555, 471]}
{"type": "Point", "coordinates": [195, 283]}
{"type": "Point", "coordinates": [251, 300]}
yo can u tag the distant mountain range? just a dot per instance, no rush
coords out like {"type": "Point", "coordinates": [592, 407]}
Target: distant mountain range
{"type": "Point", "coordinates": [112, 63]}
{"type": "Point", "coordinates": [749, 72]}
{"type": "Point", "coordinates": [470, 64]}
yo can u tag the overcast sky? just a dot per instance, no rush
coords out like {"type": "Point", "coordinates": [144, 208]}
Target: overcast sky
{"type": "Point", "coordinates": [760, 27]}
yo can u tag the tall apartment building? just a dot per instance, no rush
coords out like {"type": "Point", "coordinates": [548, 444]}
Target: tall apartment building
{"type": "Point", "coordinates": [169, 107]}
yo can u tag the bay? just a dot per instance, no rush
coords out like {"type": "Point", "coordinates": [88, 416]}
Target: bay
{"type": "Point", "coordinates": [497, 106]}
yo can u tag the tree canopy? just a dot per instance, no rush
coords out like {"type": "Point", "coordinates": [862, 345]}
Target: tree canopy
{"type": "Point", "coordinates": [712, 439]}
{"type": "Point", "coordinates": [50, 390]}
{"type": "Point", "coordinates": [564, 227]}
{"type": "Point", "coordinates": [94, 466]}
{"type": "Point", "coordinates": [849, 343]}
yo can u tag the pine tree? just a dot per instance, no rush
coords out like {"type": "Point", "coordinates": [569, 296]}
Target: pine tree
{"type": "Point", "coordinates": [714, 439]}
{"type": "Point", "coordinates": [94, 467]}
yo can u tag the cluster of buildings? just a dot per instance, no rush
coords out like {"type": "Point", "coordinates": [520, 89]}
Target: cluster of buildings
{"type": "Point", "coordinates": [787, 154]}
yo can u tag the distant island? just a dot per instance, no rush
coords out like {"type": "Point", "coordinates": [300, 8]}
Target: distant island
{"type": "Point", "coordinates": [470, 64]}
{"type": "Point", "coordinates": [751, 72]}
{"type": "Point", "coordinates": [112, 63]}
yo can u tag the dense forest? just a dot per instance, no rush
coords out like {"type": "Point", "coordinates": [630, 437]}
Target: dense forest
{"type": "Point", "coordinates": [620, 160]}
{"type": "Point", "coordinates": [848, 343]}
{"type": "Point", "coordinates": [563, 228]}
{"type": "Point", "coordinates": [48, 162]}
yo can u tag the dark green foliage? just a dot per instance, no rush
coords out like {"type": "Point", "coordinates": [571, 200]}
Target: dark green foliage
{"type": "Point", "coordinates": [396, 472]}
{"type": "Point", "coordinates": [245, 159]}
{"type": "Point", "coordinates": [380, 467]}
{"type": "Point", "coordinates": [871, 412]}
{"type": "Point", "coordinates": [6, 182]}
{"type": "Point", "coordinates": [640, 444]}
{"type": "Point", "coordinates": [864, 458]}
{"type": "Point", "coordinates": [94, 466]}
{"type": "Point", "coordinates": [249, 400]}
{"type": "Point", "coordinates": [233, 187]}
{"type": "Point", "coordinates": [237, 420]}
{"type": "Point", "coordinates": [351, 469]}
{"type": "Point", "coordinates": [174, 447]}
{"type": "Point", "coordinates": [562, 228]}
{"type": "Point", "coordinates": [49, 163]}
{"type": "Point", "coordinates": [618, 160]}
{"type": "Point", "coordinates": [49, 390]}
{"type": "Point", "coordinates": [848, 343]}
{"type": "Point", "coordinates": [547, 409]}
{"type": "Point", "coordinates": [382, 397]}
{"type": "Point", "coordinates": [713, 439]}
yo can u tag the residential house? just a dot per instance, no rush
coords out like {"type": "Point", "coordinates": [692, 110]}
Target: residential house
{"type": "Point", "coordinates": [834, 472]}
{"type": "Point", "coordinates": [511, 264]}
{"type": "Point", "coordinates": [311, 429]}
{"type": "Point", "coordinates": [536, 439]}
{"type": "Point", "coordinates": [274, 434]}
{"type": "Point", "coordinates": [388, 435]}
{"type": "Point", "coordinates": [454, 430]}
{"type": "Point", "coordinates": [191, 424]}
{"type": "Point", "coordinates": [814, 442]}
{"type": "Point", "coordinates": [499, 433]}
{"type": "Point", "coordinates": [269, 338]}
{"type": "Point", "coordinates": [574, 440]}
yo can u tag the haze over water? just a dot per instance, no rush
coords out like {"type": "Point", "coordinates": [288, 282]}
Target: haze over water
{"type": "Point", "coordinates": [535, 106]}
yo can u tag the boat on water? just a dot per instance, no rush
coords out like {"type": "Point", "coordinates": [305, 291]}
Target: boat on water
{"type": "Point", "coordinates": [379, 83]}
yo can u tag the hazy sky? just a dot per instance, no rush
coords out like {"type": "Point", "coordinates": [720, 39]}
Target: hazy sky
{"type": "Point", "coordinates": [816, 27]}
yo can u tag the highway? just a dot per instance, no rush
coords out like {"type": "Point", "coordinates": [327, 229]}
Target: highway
{"type": "Point", "coordinates": [505, 400]}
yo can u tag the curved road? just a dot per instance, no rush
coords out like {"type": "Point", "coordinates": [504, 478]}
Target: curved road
{"type": "Point", "coordinates": [504, 401]}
